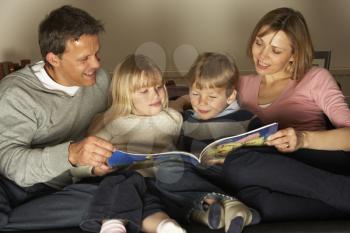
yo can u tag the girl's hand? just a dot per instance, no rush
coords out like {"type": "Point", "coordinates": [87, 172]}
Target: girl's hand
{"type": "Point", "coordinates": [286, 140]}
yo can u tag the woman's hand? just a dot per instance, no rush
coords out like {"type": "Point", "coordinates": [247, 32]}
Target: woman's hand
{"type": "Point", "coordinates": [286, 140]}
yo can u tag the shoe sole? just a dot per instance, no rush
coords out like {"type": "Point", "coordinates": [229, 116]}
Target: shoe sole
{"type": "Point", "coordinates": [215, 216]}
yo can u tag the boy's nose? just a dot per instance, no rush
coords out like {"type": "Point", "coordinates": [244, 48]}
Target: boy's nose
{"type": "Point", "coordinates": [203, 100]}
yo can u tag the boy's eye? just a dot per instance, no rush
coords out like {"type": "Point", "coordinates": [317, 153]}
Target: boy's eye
{"type": "Point", "coordinates": [212, 97]}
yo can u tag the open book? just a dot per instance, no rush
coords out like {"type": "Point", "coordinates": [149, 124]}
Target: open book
{"type": "Point", "coordinates": [213, 153]}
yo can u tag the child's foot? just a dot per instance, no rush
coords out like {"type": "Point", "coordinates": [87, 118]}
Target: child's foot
{"type": "Point", "coordinates": [213, 217]}
{"type": "Point", "coordinates": [113, 226]}
{"type": "Point", "coordinates": [169, 226]}
{"type": "Point", "coordinates": [239, 215]}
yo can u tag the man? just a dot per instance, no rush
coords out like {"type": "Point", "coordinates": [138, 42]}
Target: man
{"type": "Point", "coordinates": [45, 111]}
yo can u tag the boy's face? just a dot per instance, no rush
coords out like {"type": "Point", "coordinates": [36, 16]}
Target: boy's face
{"type": "Point", "coordinates": [209, 102]}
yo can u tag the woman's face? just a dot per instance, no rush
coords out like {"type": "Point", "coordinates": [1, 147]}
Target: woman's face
{"type": "Point", "coordinates": [272, 52]}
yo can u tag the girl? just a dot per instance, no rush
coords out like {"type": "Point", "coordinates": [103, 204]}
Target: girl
{"type": "Point", "coordinates": [137, 120]}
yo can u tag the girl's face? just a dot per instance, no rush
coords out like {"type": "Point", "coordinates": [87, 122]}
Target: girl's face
{"type": "Point", "coordinates": [148, 101]}
{"type": "Point", "coordinates": [272, 53]}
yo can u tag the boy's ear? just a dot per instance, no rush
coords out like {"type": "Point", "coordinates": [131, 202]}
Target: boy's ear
{"type": "Point", "coordinates": [232, 97]}
{"type": "Point", "coordinates": [53, 59]}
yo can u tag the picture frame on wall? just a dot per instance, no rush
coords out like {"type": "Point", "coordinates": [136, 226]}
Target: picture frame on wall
{"type": "Point", "coordinates": [322, 59]}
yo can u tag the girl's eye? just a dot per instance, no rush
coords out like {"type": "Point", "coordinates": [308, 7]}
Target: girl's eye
{"type": "Point", "coordinates": [143, 90]}
{"type": "Point", "coordinates": [195, 93]}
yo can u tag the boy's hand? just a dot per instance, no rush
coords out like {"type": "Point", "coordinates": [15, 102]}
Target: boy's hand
{"type": "Point", "coordinates": [211, 161]}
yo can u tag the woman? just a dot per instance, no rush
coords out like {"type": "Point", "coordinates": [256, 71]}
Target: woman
{"type": "Point", "coordinates": [287, 89]}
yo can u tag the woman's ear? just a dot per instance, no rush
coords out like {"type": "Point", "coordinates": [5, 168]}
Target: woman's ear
{"type": "Point", "coordinates": [291, 59]}
{"type": "Point", "coordinates": [232, 97]}
{"type": "Point", "coordinates": [53, 59]}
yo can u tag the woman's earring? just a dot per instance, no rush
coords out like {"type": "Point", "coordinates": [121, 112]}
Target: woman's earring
{"type": "Point", "coordinates": [290, 67]}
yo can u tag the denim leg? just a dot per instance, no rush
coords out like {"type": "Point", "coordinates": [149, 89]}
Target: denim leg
{"type": "Point", "coordinates": [275, 206]}
{"type": "Point", "coordinates": [181, 186]}
{"type": "Point", "coordinates": [332, 161]}
{"type": "Point", "coordinates": [59, 209]}
{"type": "Point", "coordinates": [117, 197]}
{"type": "Point", "coordinates": [12, 196]}
{"type": "Point", "coordinates": [245, 168]}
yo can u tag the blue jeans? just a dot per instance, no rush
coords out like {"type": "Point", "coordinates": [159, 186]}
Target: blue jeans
{"type": "Point", "coordinates": [300, 185]}
{"type": "Point", "coordinates": [41, 207]}
{"type": "Point", "coordinates": [121, 196]}
{"type": "Point", "coordinates": [185, 186]}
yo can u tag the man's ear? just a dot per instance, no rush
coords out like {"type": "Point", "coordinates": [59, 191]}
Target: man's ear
{"type": "Point", "coordinates": [53, 59]}
{"type": "Point", "coordinates": [232, 97]}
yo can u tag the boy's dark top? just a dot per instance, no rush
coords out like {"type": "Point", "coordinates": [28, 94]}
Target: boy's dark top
{"type": "Point", "coordinates": [197, 134]}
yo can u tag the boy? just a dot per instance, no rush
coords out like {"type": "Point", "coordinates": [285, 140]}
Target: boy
{"type": "Point", "coordinates": [192, 192]}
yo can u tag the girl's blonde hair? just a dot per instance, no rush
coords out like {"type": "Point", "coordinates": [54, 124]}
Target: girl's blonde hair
{"type": "Point", "coordinates": [214, 70]}
{"type": "Point", "coordinates": [133, 73]}
{"type": "Point", "coordinates": [294, 25]}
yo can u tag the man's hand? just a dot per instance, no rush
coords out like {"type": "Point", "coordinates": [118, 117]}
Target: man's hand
{"type": "Point", "coordinates": [91, 151]}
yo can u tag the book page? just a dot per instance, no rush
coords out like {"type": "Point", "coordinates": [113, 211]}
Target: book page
{"type": "Point", "coordinates": [218, 150]}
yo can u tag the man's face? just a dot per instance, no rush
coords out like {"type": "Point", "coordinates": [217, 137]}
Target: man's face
{"type": "Point", "coordinates": [78, 64]}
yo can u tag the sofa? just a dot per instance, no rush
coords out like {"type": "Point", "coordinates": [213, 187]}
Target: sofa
{"type": "Point", "coordinates": [330, 226]}
{"type": "Point", "coordinates": [309, 226]}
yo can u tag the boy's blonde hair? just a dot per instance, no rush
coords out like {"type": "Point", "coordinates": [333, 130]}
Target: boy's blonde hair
{"type": "Point", "coordinates": [214, 70]}
{"type": "Point", "coordinates": [133, 73]}
{"type": "Point", "coordinates": [294, 25]}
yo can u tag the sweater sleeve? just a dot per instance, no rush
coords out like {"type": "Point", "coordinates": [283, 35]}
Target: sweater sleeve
{"type": "Point", "coordinates": [20, 162]}
{"type": "Point", "coordinates": [330, 98]}
{"type": "Point", "coordinates": [105, 133]}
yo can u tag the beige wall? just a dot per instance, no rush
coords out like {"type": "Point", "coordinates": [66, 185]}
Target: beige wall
{"type": "Point", "coordinates": [173, 31]}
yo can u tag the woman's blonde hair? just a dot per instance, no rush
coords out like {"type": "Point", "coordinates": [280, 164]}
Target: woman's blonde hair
{"type": "Point", "coordinates": [133, 73]}
{"type": "Point", "coordinates": [294, 25]}
{"type": "Point", "coordinates": [214, 70]}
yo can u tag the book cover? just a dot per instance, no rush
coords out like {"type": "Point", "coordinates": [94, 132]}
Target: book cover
{"type": "Point", "coordinates": [215, 152]}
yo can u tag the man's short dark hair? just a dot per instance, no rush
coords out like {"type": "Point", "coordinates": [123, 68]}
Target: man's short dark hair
{"type": "Point", "coordinates": [65, 23]}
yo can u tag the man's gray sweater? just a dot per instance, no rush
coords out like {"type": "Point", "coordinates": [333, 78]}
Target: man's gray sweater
{"type": "Point", "coordinates": [37, 125]}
